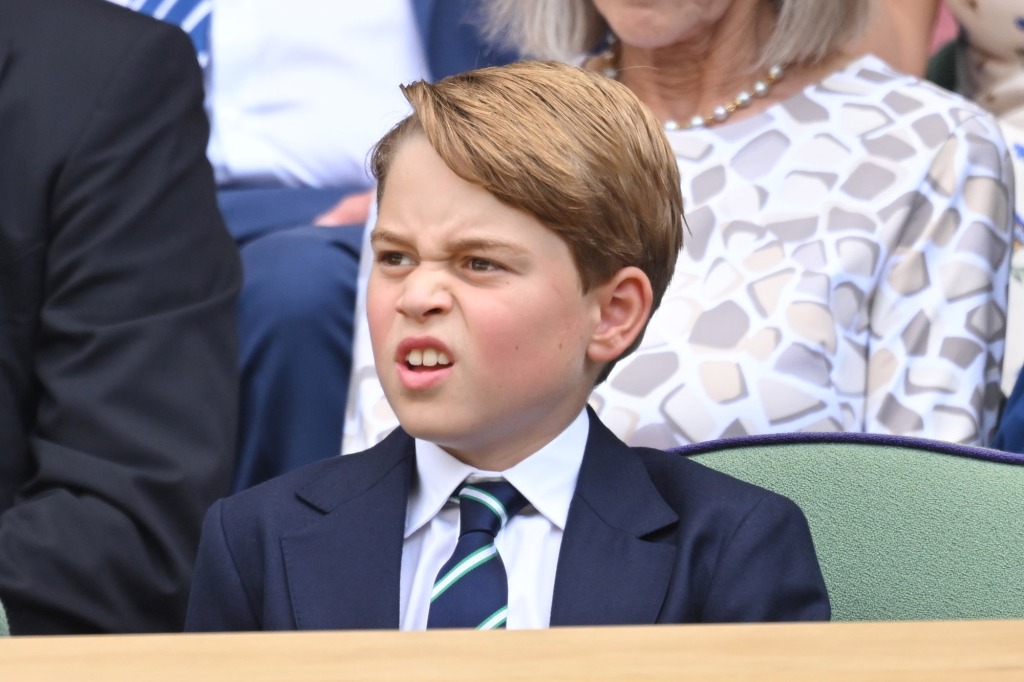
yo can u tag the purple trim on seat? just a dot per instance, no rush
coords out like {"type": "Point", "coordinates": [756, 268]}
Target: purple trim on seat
{"type": "Point", "coordinates": [943, 447]}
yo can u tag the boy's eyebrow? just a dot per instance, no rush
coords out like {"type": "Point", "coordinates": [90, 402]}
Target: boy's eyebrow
{"type": "Point", "coordinates": [388, 236]}
{"type": "Point", "coordinates": [485, 244]}
{"type": "Point", "coordinates": [467, 244]}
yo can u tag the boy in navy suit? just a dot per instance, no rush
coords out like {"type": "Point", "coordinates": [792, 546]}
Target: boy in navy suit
{"type": "Point", "coordinates": [529, 222]}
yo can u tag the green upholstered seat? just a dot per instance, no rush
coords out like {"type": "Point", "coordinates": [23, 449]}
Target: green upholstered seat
{"type": "Point", "coordinates": [4, 627]}
{"type": "Point", "coordinates": [905, 529]}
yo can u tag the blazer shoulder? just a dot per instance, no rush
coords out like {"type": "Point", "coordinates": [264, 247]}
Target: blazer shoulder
{"type": "Point", "coordinates": [23, 14]}
{"type": "Point", "coordinates": [85, 29]}
{"type": "Point", "coordinates": [682, 481]}
{"type": "Point", "coordinates": [681, 487]}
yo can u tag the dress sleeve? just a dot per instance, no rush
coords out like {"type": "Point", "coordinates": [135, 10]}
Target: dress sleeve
{"type": "Point", "coordinates": [938, 315]}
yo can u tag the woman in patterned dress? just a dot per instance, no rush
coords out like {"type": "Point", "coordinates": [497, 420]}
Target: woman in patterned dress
{"type": "Point", "coordinates": [988, 61]}
{"type": "Point", "coordinates": [846, 262]}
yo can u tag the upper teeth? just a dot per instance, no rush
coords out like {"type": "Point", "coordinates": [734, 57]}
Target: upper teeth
{"type": "Point", "coordinates": [427, 358]}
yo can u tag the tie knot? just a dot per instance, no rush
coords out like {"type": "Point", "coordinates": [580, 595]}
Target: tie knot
{"type": "Point", "coordinates": [487, 506]}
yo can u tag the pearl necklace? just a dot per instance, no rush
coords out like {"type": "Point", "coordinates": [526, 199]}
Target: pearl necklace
{"type": "Point", "coordinates": [721, 112]}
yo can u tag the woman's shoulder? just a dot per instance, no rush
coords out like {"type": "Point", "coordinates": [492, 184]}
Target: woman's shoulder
{"type": "Point", "coordinates": [868, 104]}
{"type": "Point", "coordinates": [868, 80]}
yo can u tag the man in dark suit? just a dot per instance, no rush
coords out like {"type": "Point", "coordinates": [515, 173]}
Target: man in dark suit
{"type": "Point", "coordinates": [118, 279]}
{"type": "Point", "coordinates": [508, 277]}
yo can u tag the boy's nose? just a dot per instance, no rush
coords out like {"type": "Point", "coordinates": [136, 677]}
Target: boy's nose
{"type": "Point", "coordinates": [424, 293]}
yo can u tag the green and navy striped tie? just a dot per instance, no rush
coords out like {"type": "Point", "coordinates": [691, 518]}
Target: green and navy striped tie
{"type": "Point", "coordinates": [471, 590]}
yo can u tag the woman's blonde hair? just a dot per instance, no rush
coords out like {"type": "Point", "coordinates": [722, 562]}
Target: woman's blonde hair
{"type": "Point", "coordinates": [807, 30]}
{"type": "Point", "coordinates": [576, 150]}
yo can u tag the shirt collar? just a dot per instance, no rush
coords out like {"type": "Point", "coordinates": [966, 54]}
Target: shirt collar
{"type": "Point", "coordinates": [547, 478]}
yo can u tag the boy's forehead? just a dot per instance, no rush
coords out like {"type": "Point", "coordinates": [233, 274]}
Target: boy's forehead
{"type": "Point", "coordinates": [426, 204]}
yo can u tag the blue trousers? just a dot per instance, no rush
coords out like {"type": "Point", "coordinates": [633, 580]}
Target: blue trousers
{"type": "Point", "coordinates": [295, 323]}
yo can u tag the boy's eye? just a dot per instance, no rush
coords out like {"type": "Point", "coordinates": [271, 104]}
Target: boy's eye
{"type": "Point", "coordinates": [393, 258]}
{"type": "Point", "coordinates": [482, 265]}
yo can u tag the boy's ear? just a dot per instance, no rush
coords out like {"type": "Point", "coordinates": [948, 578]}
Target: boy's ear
{"type": "Point", "coordinates": [625, 304]}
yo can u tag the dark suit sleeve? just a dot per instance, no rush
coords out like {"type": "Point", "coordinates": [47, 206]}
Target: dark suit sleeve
{"type": "Point", "coordinates": [768, 570]}
{"type": "Point", "coordinates": [135, 357]}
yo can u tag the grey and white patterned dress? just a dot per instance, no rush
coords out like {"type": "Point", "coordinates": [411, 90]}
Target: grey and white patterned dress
{"type": "Point", "coordinates": [845, 268]}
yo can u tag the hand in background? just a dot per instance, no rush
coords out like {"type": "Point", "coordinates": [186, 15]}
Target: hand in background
{"type": "Point", "coordinates": [354, 209]}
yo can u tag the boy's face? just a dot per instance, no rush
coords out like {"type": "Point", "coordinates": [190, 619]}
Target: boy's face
{"type": "Point", "coordinates": [479, 326]}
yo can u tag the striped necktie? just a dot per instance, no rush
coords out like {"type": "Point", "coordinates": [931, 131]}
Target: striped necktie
{"type": "Point", "coordinates": [193, 16]}
{"type": "Point", "coordinates": [471, 590]}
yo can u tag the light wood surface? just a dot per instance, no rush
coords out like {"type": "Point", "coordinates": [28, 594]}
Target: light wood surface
{"type": "Point", "coordinates": [967, 650]}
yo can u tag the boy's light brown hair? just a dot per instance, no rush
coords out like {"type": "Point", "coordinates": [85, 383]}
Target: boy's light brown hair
{"type": "Point", "coordinates": [575, 149]}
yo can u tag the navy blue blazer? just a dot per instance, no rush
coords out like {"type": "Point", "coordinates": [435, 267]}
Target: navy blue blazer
{"type": "Point", "coordinates": [651, 537]}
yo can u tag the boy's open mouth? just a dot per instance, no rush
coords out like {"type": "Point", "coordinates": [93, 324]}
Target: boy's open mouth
{"type": "Point", "coordinates": [426, 359]}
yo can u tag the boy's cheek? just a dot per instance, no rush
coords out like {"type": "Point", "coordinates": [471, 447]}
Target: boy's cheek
{"type": "Point", "coordinates": [377, 299]}
{"type": "Point", "coordinates": [378, 322]}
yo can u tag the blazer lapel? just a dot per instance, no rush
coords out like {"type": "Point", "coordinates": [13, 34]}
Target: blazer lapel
{"type": "Point", "coordinates": [344, 570]}
{"type": "Point", "coordinates": [608, 574]}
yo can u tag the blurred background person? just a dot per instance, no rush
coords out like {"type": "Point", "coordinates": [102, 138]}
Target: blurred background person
{"type": "Point", "coordinates": [297, 92]}
{"type": "Point", "coordinates": [985, 64]}
{"type": "Point", "coordinates": [118, 281]}
{"type": "Point", "coordinates": [905, 34]}
{"type": "Point", "coordinates": [846, 263]}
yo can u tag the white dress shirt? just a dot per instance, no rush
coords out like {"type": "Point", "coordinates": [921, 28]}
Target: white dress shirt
{"type": "Point", "coordinates": [301, 90]}
{"type": "Point", "coordinates": [529, 544]}
{"type": "Point", "coordinates": [298, 92]}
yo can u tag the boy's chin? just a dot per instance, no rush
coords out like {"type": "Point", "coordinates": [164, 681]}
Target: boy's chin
{"type": "Point", "coordinates": [425, 422]}
{"type": "Point", "coordinates": [438, 428]}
